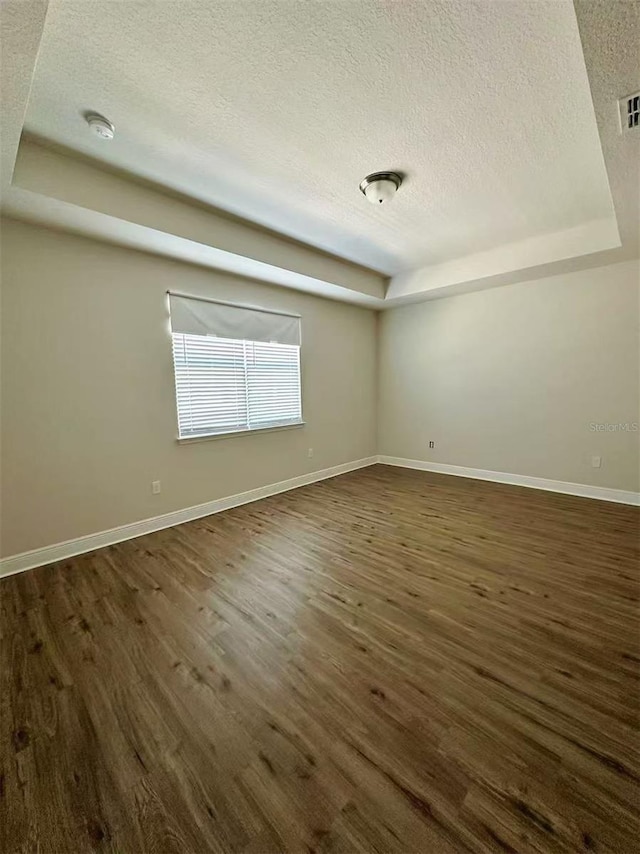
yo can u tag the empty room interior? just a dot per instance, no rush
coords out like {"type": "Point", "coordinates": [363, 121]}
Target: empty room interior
{"type": "Point", "coordinates": [320, 406]}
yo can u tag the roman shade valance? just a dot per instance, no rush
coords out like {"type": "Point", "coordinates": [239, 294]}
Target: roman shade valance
{"type": "Point", "coordinates": [195, 316]}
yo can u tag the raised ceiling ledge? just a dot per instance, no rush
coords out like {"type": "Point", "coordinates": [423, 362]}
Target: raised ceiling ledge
{"type": "Point", "coordinates": [586, 239]}
{"type": "Point", "coordinates": [61, 190]}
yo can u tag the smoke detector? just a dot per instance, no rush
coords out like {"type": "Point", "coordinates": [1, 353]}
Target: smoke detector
{"type": "Point", "coordinates": [380, 187]}
{"type": "Point", "coordinates": [629, 112]}
{"type": "Point", "coordinates": [100, 127]}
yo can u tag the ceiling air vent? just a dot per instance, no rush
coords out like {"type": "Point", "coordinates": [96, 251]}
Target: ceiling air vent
{"type": "Point", "coordinates": [629, 112]}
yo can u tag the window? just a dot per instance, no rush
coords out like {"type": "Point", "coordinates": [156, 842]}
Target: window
{"type": "Point", "coordinates": [236, 368]}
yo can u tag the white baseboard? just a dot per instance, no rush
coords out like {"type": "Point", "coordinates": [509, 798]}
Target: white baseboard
{"type": "Point", "coordinates": [603, 493]}
{"type": "Point", "coordinates": [80, 545]}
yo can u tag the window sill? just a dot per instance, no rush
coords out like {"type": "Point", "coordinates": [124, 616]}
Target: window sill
{"type": "Point", "coordinates": [189, 440]}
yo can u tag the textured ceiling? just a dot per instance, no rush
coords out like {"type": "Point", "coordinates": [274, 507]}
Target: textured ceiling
{"type": "Point", "coordinates": [610, 33]}
{"type": "Point", "coordinates": [21, 26]}
{"type": "Point", "coordinates": [275, 110]}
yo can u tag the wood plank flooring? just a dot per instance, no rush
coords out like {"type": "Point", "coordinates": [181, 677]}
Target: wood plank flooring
{"type": "Point", "coordinates": [388, 661]}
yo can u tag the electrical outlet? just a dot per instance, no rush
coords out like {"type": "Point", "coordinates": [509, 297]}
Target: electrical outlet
{"type": "Point", "coordinates": [595, 462]}
{"type": "Point", "coordinates": [155, 487]}
{"type": "Point", "coordinates": [432, 444]}
{"type": "Point", "coordinates": [310, 453]}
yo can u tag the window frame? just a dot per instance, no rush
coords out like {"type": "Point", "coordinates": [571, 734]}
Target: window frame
{"type": "Point", "coordinates": [211, 437]}
{"type": "Point", "coordinates": [242, 431]}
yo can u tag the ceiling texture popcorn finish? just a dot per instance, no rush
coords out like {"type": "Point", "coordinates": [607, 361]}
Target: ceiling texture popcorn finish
{"type": "Point", "coordinates": [262, 118]}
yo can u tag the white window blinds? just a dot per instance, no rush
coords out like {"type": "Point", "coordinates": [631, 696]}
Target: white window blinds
{"type": "Point", "coordinates": [236, 368]}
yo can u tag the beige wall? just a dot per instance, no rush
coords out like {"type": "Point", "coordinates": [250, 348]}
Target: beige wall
{"type": "Point", "coordinates": [510, 379]}
{"type": "Point", "coordinates": [88, 408]}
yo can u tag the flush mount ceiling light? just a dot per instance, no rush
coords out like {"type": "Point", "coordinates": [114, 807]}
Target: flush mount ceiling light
{"type": "Point", "coordinates": [99, 126]}
{"type": "Point", "coordinates": [380, 187]}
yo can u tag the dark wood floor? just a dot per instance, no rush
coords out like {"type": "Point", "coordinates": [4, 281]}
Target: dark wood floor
{"type": "Point", "coordinates": [389, 661]}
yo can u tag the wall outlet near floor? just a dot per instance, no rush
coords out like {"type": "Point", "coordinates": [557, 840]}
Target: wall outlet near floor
{"type": "Point", "coordinates": [596, 462]}
{"type": "Point", "coordinates": [155, 487]}
{"type": "Point", "coordinates": [432, 444]}
{"type": "Point", "coordinates": [310, 453]}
